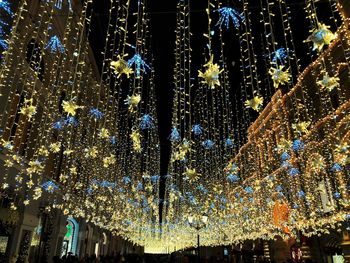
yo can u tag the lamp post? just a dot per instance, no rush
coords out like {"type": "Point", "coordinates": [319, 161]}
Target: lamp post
{"type": "Point", "coordinates": [198, 223]}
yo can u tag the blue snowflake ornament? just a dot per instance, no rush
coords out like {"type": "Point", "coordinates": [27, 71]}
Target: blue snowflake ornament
{"type": "Point", "coordinates": [280, 56]}
{"type": "Point", "coordinates": [208, 144]}
{"type": "Point", "coordinates": [229, 143]}
{"type": "Point", "coordinates": [55, 45]}
{"type": "Point", "coordinates": [139, 64]}
{"type": "Point", "coordinates": [232, 178]}
{"type": "Point", "coordinates": [337, 195]}
{"type": "Point", "coordinates": [5, 5]}
{"type": "Point", "coordinates": [285, 157]}
{"type": "Point", "coordinates": [59, 4]}
{"type": "Point", "coordinates": [126, 180]}
{"type": "Point", "coordinates": [293, 171]}
{"type": "Point", "coordinates": [197, 129]}
{"type": "Point", "coordinates": [3, 44]}
{"type": "Point", "coordinates": [147, 122]}
{"type": "Point", "coordinates": [298, 145]}
{"type": "Point", "coordinates": [249, 190]}
{"type": "Point", "coordinates": [228, 15]}
{"type": "Point", "coordinates": [49, 186]}
{"type": "Point", "coordinates": [175, 135]}
{"type": "Point", "coordinates": [336, 168]}
{"type": "Point", "coordinates": [301, 194]}
{"type": "Point", "coordinates": [96, 113]}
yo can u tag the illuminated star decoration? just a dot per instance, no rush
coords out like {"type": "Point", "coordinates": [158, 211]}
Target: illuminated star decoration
{"type": "Point", "coordinates": [71, 121]}
{"type": "Point", "coordinates": [227, 15]}
{"type": "Point", "coordinates": [96, 113]}
{"type": "Point", "coordinates": [49, 186]}
{"type": "Point", "coordinates": [182, 151]}
{"type": "Point", "coordinates": [211, 74]}
{"type": "Point", "coordinates": [197, 129]}
{"type": "Point", "coordinates": [280, 55]}
{"type": "Point", "coordinates": [133, 102]}
{"type": "Point", "coordinates": [328, 82]}
{"type": "Point", "coordinates": [55, 45]}
{"type": "Point", "coordinates": [256, 103]}
{"type": "Point", "coordinates": [136, 140]}
{"type": "Point", "coordinates": [229, 143]}
{"type": "Point", "coordinates": [58, 4]}
{"type": "Point", "coordinates": [298, 145]}
{"type": "Point", "coordinates": [5, 5]}
{"type": "Point", "coordinates": [191, 174]}
{"type": "Point", "coordinates": [139, 63]}
{"type": "Point", "coordinates": [28, 109]}
{"type": "Point", "coordinates": [121, 67]}
{"type": "Point", "coordinates": [107, 161]}
{"type": "Point", "coordinates": [279, 76]}
{"type": "Point", "coordinates": [321, 36]}
{"type": "Point", "coordinates": [4, 44]}
{"type": "Point", "coordinates": [146, 122]}
{"type": "Point", "coordinates": [2, 24]}
{"type": "Point", "coordinates": [70, 107]}
{"type": "Point", "coordinates": [301, 127]}
{"type": "Point", "coordinates": [208, 144]}
{"type": "Point", "coordinates": [175, 135]}
{"type": "Point", "coordinates": [232, 178]}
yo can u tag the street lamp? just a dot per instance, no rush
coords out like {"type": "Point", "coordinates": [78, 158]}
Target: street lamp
{"type": "Point", "coordinates": [198, 223]}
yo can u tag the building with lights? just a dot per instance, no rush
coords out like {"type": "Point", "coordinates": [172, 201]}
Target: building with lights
{"type": "Point", "coordinates": [37, 232]}
{"type": "Point", "coordinates": [80, 148]}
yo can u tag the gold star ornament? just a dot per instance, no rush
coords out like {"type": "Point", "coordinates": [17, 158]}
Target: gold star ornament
{"type": "Point", "coordinates": [211, 75]}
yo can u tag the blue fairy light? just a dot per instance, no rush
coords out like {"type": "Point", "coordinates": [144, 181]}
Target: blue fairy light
{"type": "Point", "coordinates": [280, 55]}
{"type": "Point", "coordinates": [279, 188]}
{"type": "Point", "coordinates": [197, 129]}
{"type": "Point", "coordinates": [285, 157]}
{"type": "Point", "coordinates": [146, 122]}
{"type": "Point", "coordinates": [155, 178]}
{"type": "Point", "coordinates": [202, 189]}
{"type": "Point", "coordinates": [298, 145]}
{"type": "Point", "coordinates": [113, 140]}
{"type": "Point", "coordinates": [175, 135]}
{"type": "Point", "coordinates": [3, 44]}
{"type": "Point", "coordinates": [49, 186]}
{"type": "Point", "coordinates": [208, 144]}
{"type": "Point", "coordinates": [126, 180]}
{"type": "Point", "coordinates": [5, 5]}
{"type": "Point", "coordinates": [55, 45]}
{"type": "Point", "coordinates": [58, 125]}
{"type": "Point", "coordinates": [286, 164]}
{"type": "Point", "coordinates": [107, 184]}
{"type": "Point", "coordinates": [301, 194]}
{"type": "Point", "coordinates": [249, 190]}
{"type": "Point", "coordinates": [337, 195]}
{"type": "Point", "coordinates": [227, 15]}
{"type": "Point", "coordinates": [71, 121]}
{"type": "Point", "coordinates": [139, 186]}
{"type": "Point", "coordinates": [2, 25]}
{"type": "Point", "coordinates": [336, 168]}
{"type": "Point", "coordinates": [232, 178]}
{"type": "Point", "coordinates": [139, 64]}
{"type": "Point", "coordinates": [59, 3]}
{"type": "Point", "coordinates": [293, 171]}
{"type": "Point", "coordinates": [96, 113]}
{"type": "Point", "coordinates": [229, 143]}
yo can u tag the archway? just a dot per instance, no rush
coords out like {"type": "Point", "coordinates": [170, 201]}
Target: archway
{"type": "Point", "coordinates": [70, 241]}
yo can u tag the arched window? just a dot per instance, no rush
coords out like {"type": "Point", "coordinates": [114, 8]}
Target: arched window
{"type": "Point", "coordinates": [70, 241]}
{"type": "Point", "coordinates": [34, 58]}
